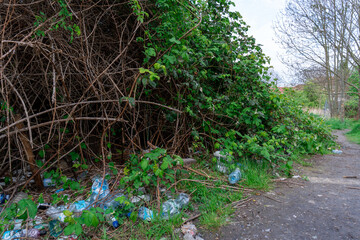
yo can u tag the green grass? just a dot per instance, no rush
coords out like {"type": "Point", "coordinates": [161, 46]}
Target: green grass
{"type": "Point", "coordinates": [257, 175]}
{"type": "Point", "coordinates": [354, 134]}
{"type": "Point", "coordinates": [353, 125]}
{"type": "Point", "coordinates": [337, 124]}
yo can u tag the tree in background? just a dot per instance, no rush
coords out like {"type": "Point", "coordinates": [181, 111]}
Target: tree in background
{"type": "Point", "coordinates": [324, 34]}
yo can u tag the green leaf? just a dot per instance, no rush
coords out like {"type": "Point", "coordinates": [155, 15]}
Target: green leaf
{"type": "Point", "coordinates": [174, 40]}
{"type": "Point", "coordinates": [90, 219]}
{"type": "Point", "coordinates": [144, 164]}
{"type": "Point", "coordinates": [69, 229]}
{"type": "Point", "coordinates": [67, 213]}
{"type": "Point", "coordinates": [83, 145]}
{"type": "Point", "coordinates": [26, 207]}
{"type": "Point", "coordinates": [42, 153]}
{"type": "Point", "coordinates": [78, 229]}
{"type": "Point", "coordinates": [74, 185]}
{"type": "Point", "coordinates": [150, 52]}
{"type": "Point", "coordinates": [164, 165]}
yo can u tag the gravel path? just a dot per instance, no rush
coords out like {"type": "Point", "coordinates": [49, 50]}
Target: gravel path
{"type": "Point", "coordinates": [325, 207]}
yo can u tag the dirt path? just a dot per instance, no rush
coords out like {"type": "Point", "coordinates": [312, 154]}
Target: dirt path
{"type": "Point", "coordinates": [323, 208]}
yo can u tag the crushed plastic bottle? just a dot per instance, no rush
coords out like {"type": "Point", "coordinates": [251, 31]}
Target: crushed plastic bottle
{"type": "Point", "coordinates": [110, 218]}
{"type": "Point", "coordinates": [9, 234]}
{"type": "Point", "coordinates": [172, 207]}
{"type": "Point", "coordinates": [235, 176]}
{"type": "Point", "coordinates": [182, 200]}
{"type": "Point", "coordinates": [79, 206]}
{"type": "Point", "coordinates": [145, 214]}
{"type": "Point", "coordinates": [336, 151]}
{"type": "Point", "coordinates": [56, 213]}
{"type": "Point", "coordinates": [111, 202]}
{"type": "Point", "coordinates": [100, 188]}
{"type": "Point", "coordinates": [136, 199]}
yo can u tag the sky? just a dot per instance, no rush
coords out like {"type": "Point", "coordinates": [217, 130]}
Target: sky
{"type": "Point", "coordinates": [260, 16]}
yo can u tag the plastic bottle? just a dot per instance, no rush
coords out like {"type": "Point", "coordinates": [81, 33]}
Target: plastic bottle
{"type": "Point", "coordinates": [56, 213]}
{"type": "Point", "coordinates": [79, 206]}
{"type": "Point", "coordinates": [221, 167]}
{"type": "Point", "coordinates": [112, 203]}
{"type": "Point", "coordinates": [110, 218]}
{"type": "Point", "coordinates": [182, 200]}
{"type": "Point", "coordinates": [9, 234]}
{"type": "Point", "coordinates": [235, 176]}
{"type": "Point", "coordinates": [337, 151]}
{"type": "Point", "coordinates": [100, 188]}
{"type": "Point", "coordinates": [145, 214]}
{"type": "Point", "coordinates": [172, 207]}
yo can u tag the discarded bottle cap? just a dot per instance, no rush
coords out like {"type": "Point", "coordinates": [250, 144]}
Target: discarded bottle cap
{"type": "Point", "coordinates": [116, 224]}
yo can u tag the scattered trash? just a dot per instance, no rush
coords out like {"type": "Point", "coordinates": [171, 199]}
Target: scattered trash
{"type": "Point", "coordinates": [9, 234]}
{"type": "Point", "coordinates": [17, 224]}
{"type": "Point", "coordinates": [79, 206]}
{"type": "Point", "coordinates": [172, 207]}
{"type": "Point", "coordinates": [235, 176]}
{"type": "Point", "coordinates": [56, 213]}
{"type": "Point", "coordinates": [145, 214]}
{"type": "Point", "coordinates": [112, 220]}
{"type": "Point", "coordinates": [24, 233]}
{"type": "Point", "coordinates": [221, 167]}
{"type": "Point", "coordinates": [297, 176]}
{"type": "Point", "coordinates": [111, 202]}
{"type": "Point", "coordinates": [59, 190]}
{"type": "Point", "coordinates": [55, 228]}
{"type": "Point", "coordinates": [4, 198]}
{"type": "Point", "coordinates": [100, 188]}
{"type": "Point", "coordinates": [189, 228]}
{"type": "Point", "coordinates": [19, 196]}
{"type": "Point", "coordinates": [48, 182]}
{"type": "Point", "coordinates": [43, 206]}
{"type": "Point", "coordinates": [136, 199]}
{"type": "Point", "coordinates": [188, 236]}
{"type": "Point", "coordinates": [336, 151]}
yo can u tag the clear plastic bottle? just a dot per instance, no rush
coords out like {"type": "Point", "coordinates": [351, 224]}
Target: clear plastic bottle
{"type": "Point", "coordinates": [111, 202]}
{"type": "Point", "coordinates": [56, 213]}
{"type": "Point", "coordinates": [172, 207]}
{"type": "Point", "coordinates": [79, 206]}
{"type": "Point", "coordinates": [145, 214]}
{"type": "Point", "coordinates": [100, 189]}
{"type": "Point", "coordinates": [182, 200]}
{"type": "Point", "coordinates": [235, 176]}
{"type": "Point", "coordinates": [110, 218]}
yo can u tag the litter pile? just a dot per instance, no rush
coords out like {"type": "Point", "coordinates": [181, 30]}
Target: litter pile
{"type": "Point", "coordinates": [100, 198]}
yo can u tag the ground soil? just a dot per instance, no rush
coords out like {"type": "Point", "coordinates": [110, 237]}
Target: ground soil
{"type": "Point", "coordinates": [324, 207]}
